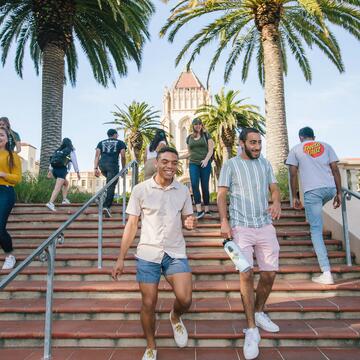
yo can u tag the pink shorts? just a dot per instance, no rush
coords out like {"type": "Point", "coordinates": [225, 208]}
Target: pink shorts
{"type": "Point", "coordinates": [264, 241]}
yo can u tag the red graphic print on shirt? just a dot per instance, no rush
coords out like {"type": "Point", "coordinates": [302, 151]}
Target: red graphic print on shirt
{"type": "Point", "coordinates": [314, 149]}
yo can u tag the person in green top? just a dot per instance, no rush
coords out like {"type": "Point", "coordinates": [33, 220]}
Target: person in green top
{"type": "Point", "coordinates": [200, 151]}
{"type": "Point", "coordinates": [14, 138]}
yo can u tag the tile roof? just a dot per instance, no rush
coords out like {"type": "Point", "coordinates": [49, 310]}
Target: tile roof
{"type": "Point", "coordinates": [188, 79]}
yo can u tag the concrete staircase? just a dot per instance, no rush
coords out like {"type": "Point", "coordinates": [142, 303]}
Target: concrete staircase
{"type": "Point", "coordinates": [96, 318]}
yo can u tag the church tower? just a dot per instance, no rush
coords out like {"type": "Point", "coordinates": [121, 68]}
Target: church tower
{"type": "Point", "coordinates": [180, 103]}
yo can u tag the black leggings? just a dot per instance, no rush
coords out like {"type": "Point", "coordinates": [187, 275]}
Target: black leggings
{"type": "Point", "coordinates": [7, 201]}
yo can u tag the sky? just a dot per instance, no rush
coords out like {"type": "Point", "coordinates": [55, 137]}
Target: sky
{"type": "Point", "coordinates": [330, 104]}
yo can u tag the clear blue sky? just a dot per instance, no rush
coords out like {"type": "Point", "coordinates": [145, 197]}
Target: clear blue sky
{"type": "Point", "coordinates": [330, 104]}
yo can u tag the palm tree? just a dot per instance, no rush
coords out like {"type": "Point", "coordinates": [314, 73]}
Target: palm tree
{"type": "Point", "coordinates": [266, 29]}
{"type": "Point", "coordinates": [110, 36]}
{"type": "Point", "coordinates": [224, 118]}
{"type": "Point", "coordinates": [139, 122]}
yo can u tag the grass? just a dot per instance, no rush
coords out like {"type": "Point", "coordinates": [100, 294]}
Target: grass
{"type": "Point", "coordinates": [38, 189]}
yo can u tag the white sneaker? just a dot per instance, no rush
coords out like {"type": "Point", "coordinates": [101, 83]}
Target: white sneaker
{"type": "Point", "coordinates": [180, 332]}
{"type": "Point", "coordinates": [66, 201]}
{"type": "Point", "coordinates": [251, 343]}
{"type": "Point", "coordinates": [263, 321]}
{"type": "Point", "coordinates": [9, 262]}
{"type": "Point", "coordinates": [149, 354]}
{"type": "Point", "coordinates": [325, 278]}
{"type": "Point", "coordinates": [107, 212]}
{"type": "Point", "coordinates": [50, 206]}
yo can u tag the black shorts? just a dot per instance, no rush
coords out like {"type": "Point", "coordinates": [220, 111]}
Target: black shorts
{"type": "Point", "coordinates": [60, 172]}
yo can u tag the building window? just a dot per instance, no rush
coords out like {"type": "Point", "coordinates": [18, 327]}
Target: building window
{"type": "Point", "coordinates": [83, 183]}
{"type": "Point", "coordinates": [90, 183]}
{"type": "Point", "coordinates": [73, 183]}
{"type": "Point", "coordinates": [183, 137]}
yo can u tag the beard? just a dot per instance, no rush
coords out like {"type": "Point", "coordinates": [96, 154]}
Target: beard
{"type": "Point", "coordinates": [250, 154]}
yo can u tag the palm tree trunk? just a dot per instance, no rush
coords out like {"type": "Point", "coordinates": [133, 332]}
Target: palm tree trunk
{"type": "Point", "coordinates": [52, 102]}
{"type": "Point", "coordinates": [277, 144]}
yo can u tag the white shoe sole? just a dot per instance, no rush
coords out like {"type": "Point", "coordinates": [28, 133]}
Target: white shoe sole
{"type": "Point", "coordinates": [323, 282]}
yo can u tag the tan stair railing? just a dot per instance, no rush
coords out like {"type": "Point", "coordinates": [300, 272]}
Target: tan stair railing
{"type": "Point", "coordinates": [47, 250]}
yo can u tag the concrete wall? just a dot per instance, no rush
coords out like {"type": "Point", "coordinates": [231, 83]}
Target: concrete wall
{"type": "Point", "coordinates": [333, 222]}
{"type": "Point", "coordinates": [349, 170]}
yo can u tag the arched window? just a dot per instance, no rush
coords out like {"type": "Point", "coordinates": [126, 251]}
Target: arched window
{"type": "Point", "coordinates": [184, 134]}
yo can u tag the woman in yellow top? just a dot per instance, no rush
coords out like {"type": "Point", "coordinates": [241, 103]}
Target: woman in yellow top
{"type": "Point", "coordinates": [10, 175]}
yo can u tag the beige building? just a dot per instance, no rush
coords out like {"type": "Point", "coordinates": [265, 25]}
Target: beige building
{"type": "Point", "coordinates": [28, 159]}
{"type": "Point", "coordinates": [90, 183]}
{"type": "Point", "coordinates": [180, 103]}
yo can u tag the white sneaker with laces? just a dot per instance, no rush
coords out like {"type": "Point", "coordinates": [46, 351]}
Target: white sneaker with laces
{"type": "Point", "coordinates": [263, 321]}
{"type": "Point", "coordinates": [325, 278]}
{"type": "Point", "coordinates": [9, 262]}
{"type": "Point", "coordinates": [251, 343]}
{"type": "Point", "coordinates": [50, 206]}
{"type": "Point", "coordinates": [149, 354]}
{"type": "Point", "coordinates": [66, 201]}
{"type": "Point", "coordinates": [180, 332]}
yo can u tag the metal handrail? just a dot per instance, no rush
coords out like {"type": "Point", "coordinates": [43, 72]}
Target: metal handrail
{"type": "Point", "coordinates": [346, 195]}
{"type": "Point", "coordinates": [47, 250]}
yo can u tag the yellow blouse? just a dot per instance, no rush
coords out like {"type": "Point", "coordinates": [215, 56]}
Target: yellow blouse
{"type": "Point", "coordinates": [13, 176]}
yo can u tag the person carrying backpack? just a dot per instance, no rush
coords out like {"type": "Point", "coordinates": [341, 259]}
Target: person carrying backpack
{"type": "Point", "coordinates": [60, 165]}
{"type": "Point", "coordinates": [200, 152]}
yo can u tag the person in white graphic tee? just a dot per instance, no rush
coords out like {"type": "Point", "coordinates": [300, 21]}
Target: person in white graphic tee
{"type": "Point", "coordinates": [320, 178]}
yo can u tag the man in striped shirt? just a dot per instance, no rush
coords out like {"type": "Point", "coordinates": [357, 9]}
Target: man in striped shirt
{"type": "Point", "coordinates": [248, 178]}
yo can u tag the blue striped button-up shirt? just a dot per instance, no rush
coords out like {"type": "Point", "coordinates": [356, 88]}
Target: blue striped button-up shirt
{"type": "Point", "coordinates": [248, 182]}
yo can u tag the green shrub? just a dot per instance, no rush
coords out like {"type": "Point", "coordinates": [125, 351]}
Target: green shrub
{"type": "Point", "coordinates": [38, 189]}
{"type": "Point", "coordinates": [77, 196]}
{"type": "Point", "coordinates": [34, 189]}
{"type": "Point", "coordinates": [283, 182]}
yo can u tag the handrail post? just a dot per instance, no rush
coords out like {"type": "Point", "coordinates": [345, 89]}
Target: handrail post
{"type": "Point", "coordinates": [289, 186]}
{"type": "Point", "coordinates": [124, 200]}
{"type": "Point", "coordinates": [100, 230]}
{"type": "Point", "coordinates": [49, 299]}
{"type": "Point", "coordinates": [345, 227]}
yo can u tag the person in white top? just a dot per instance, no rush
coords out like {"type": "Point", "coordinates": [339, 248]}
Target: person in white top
{"type": "Point", "coordinates": [316, 163]}
{"type": "Point", "coordinates": [152, 149]}
{"type": "Point", "coordinates": [60, 165]}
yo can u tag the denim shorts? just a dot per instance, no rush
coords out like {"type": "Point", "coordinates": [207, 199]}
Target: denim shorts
{"type": "Point", "coordinates": [150, 272]}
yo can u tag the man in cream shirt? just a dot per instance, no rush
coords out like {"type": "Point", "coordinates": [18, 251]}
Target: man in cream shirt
{"type": "Point", "coordinates": [164, 206]}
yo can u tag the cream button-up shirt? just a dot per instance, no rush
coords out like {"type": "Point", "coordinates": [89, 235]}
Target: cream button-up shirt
{"type": "Point", "coordinates": [161, 223]}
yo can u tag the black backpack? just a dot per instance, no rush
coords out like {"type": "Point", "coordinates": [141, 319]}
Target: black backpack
{"type": "Point", "coordinates": [60, 158]}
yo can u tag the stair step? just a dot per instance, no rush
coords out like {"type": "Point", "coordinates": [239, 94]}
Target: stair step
{"type": "Point", "coordinates": [214, 243]}
{"type": "Point", "coordinates": [16, 218]}
{"type": "Point", "coordinates": [196, 353]}
{"type": "Point", "coordinates": [337, 307]}
{"type": "Point", "coordinates": [218, 288]}
{"type": "Point", "coordinates": [91, 246]}
{"type": "Point", "coordinates": [195, 258]}
{"type": "Point", "coordinates": [187, 234]}
{"type": "Point", "coordinates": [216, 333]}
{"type": "Point", "coordinates": [200, 272]}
